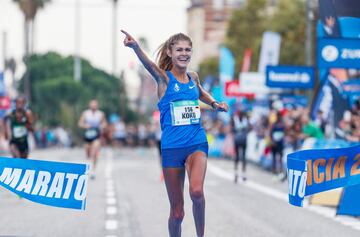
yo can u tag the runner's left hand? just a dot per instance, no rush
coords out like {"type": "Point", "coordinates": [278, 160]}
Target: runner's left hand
{"type": "Point", "coordinates": [222, 107]}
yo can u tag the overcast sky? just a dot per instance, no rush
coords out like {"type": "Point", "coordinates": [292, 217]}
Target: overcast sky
{"type": "Point", "coordinates": [154, 19]}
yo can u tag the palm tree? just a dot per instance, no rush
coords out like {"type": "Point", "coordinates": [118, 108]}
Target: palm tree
{"type": "Point", "coordinates": [29, 9]}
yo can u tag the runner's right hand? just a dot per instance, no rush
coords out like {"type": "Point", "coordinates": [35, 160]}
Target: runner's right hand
{"type": "Point", "coordinates": [129, 41]}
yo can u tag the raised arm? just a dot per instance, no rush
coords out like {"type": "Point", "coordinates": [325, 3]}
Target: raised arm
{"type": "Point", "coordinates": [206, 97]}
{"type": "Point", "coordinates": [158, 74]}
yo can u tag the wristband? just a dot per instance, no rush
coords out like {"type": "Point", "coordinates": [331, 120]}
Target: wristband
{"type": "Point", "coordinates": [212, 103]}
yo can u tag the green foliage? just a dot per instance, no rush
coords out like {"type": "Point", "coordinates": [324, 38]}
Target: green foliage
{"type": "Point", "coordinates": [30, 7]}
{"type": "Point", "coordinates": [209, 66]}
{"type": "Point", "coordinates": [245, 30]}
{"type": "Point", "coordinates": [289, 21]}
{"type": "Point", "coordinates": [247, 25]}
{"type": "Point", "coordinates": [58, 99]}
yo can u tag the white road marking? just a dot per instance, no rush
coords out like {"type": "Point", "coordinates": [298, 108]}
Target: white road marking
{"type": "Point", "coordinates": [111, 224]}
{"type": "Point", "coordinates": [111, 201]}
{"type": "Point", "coordinates": [109, 182]}
{"type": "Point", "coordinates": [110, 193]}
{"type": "Point", "coordinates": [110, 188]}
{"type": "Point", "coordinates": [111, 210]}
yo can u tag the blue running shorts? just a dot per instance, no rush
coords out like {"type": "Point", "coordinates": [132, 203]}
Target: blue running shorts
{"type": "Point", "coordinates": [176, 157]}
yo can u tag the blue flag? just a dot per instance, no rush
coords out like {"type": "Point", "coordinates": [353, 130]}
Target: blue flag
{"type": "Point", "coordinates": [51, 183]}
{"type": "Point", "coordinates": [226, 65]}
{"type": "Point", "coordinates": [318, 170]}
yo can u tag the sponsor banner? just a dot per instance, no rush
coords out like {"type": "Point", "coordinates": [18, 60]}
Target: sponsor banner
{"type": "Point", "coordinates": [331, 100]}
{"type": "Point", "coordinates": [254, 83]}
{"type": "Point", "coordinates": [232, 88]}
{"type": "Point", "coordinates": [226, 65]}
{"type": "Point", "coordinates": [318, 170]}
{"type": "Point", "coordinates": [5, 102]}
{"type": "Point", "coordinates": [246, 60]}
{"type": "Point", "coordinates": [339, 18]}
{"type": "Point", "coordinates": [338, 53]}
{"type": "Point", "coordinates": [50, 183]}
{"type": "Point", "coordinates": [270, 50]}
{"type": "Point", "coordinates": [2, 84]}
{"type": "Point", "coordinates": [349, 204]}
{"type": "Point", "coordinates": [290, 77]}
{"type": "Point", "coordinates": [291, 101]}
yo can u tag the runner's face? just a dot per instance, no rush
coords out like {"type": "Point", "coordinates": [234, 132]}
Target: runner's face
{"type": "Point", "coordinates": [20, 103]}
{"type": "Point", "coordinates": [181, 53]}
{"type": "Point", "coordinates": [93, 105]}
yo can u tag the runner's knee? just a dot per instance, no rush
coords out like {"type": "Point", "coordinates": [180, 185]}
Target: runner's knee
{"type": "Point", "coordinates": [177, 213]}
{"type": "Point", "coordinates": [196, 194]}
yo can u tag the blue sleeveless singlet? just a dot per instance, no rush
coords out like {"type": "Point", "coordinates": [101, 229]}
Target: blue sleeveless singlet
{"type": "Point", "coordinates": [184, 135]}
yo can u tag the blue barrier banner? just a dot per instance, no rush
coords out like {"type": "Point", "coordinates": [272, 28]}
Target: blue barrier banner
{"type": "Point", "coordinates": [338, 53]}
{"type": "Point", "coordinates": [51, 183]}
{"type": "Point", "coordinates": [318, 170]}
{"type": "Point", "coordinates": [349, 203]}
{"type": "Point", "coordinates": [292, 77]}
{"type": "Point", "coordinates": [291, 101]}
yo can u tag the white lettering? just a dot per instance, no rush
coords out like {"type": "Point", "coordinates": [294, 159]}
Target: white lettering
{"type": "Point", "coordinates": [297, 174]}
{"type": "Point", "coordinates": [301, 77]}
{"type": "Point", "coordinates": [56, 185]}
{"type": "Point", "coordinates": [70, 181]}
{"type": "Point", "coordinates": [10, 176]}
{"type": "Point", "coordinates": [350, 54]}
{"type": "Point", "coordinates": [27, 181]}
{"type": "Point", "coordinates": [294, 185]}
{"type": "Point", "coordinates": [302, 185]}
{"type": "Point", "coordinates": [42, 183]}
{"type": "Point", "coordinates": [290, 179]}
{"type": "Point", "coordinates": [81, 188]}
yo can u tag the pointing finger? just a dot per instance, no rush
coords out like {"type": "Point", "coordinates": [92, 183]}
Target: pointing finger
{"type": "Point", "coordinates": [123, 31]}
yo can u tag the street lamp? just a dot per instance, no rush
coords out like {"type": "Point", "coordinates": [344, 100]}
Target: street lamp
{"type": "Point", "coordinates": [77, 59]}
{"type": "Point", "coordinates": [114, 38]}
{"type": "Point", "coordinates": [308, 41]}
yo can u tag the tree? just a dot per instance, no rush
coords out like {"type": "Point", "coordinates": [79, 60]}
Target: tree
{"type": "Point", "coordinates": [290, 22]}
{"type": "Point", "coordinates": [245, 30]}
{"type": "Point", "coordinates": [209, 66]}
{"type": "Point", "coordinates": [247, 25]}
{"type": "Point", "coordinates": [58, 99]}
{"type": "Point", "coordinates": [29, 9]}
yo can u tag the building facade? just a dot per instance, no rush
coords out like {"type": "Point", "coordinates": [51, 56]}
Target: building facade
{"type": "Point", "coordinates": [207, 25]}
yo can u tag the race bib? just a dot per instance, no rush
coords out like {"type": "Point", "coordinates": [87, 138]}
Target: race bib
{"type": "Point", "coordinates": [185, 112]}
{"type": "Point", "coordinates": [278, 136]}
{"type": "Point", "coordinates": [19, 131]}
{"type": "Point", "coordinates": [91, 133]}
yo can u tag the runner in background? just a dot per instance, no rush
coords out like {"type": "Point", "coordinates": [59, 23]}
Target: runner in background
{"type": "Point", "coordinates": [240, 128]}
{"type": "Point", "coordinates": [18, 125]}
{"type": "Point", "coordinates": [93, 121]}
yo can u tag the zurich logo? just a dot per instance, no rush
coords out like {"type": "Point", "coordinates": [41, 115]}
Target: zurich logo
{"type": "Point", "coordinates": [330, 53]}
{"type": "Point", "coordinates": [176, 87]}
